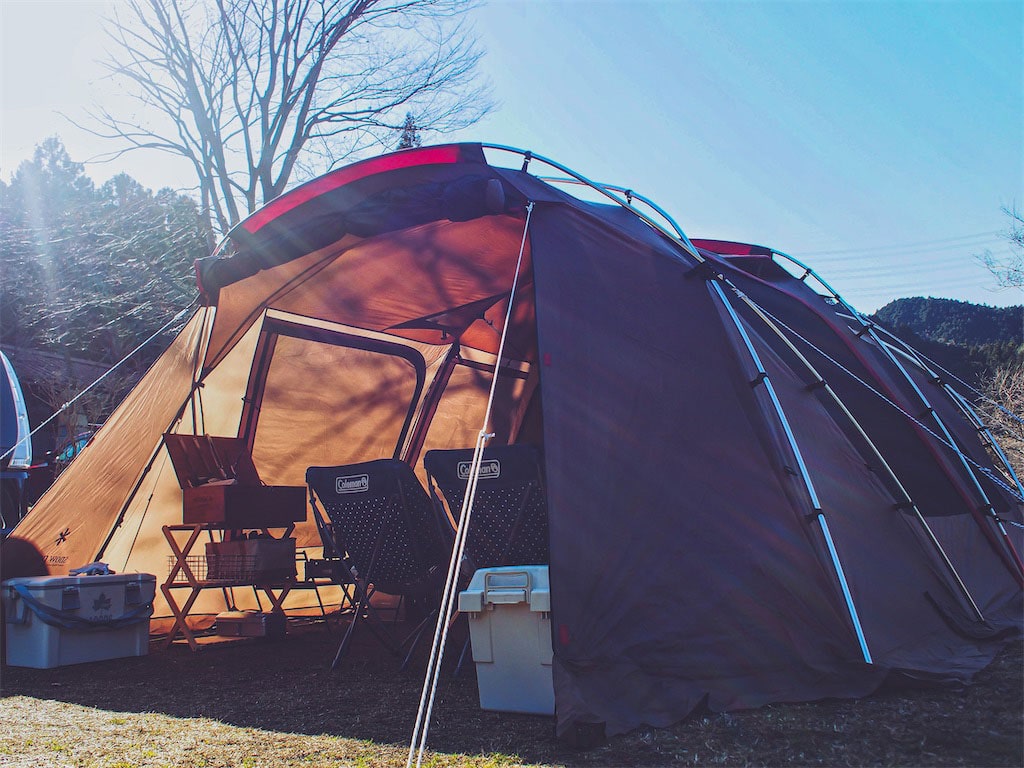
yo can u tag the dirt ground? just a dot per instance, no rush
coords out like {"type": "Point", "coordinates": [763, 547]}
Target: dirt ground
{"type": "Point", "coordinates": [277, 703]}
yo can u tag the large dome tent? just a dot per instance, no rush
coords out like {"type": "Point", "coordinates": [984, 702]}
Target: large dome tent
{"type": "Point", "coordinates": [754, 494]}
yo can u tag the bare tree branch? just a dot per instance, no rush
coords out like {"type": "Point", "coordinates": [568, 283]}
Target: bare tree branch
{"type": "Point", "coordinates": [1008, 268]}
{"type": "Point", "coordinates": [254, 92]}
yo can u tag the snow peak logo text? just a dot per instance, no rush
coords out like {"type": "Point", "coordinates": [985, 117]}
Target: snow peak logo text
{"type": "Point", "coordinates": [352, 484]}
{"type": "Point", "coordinates": [489, 470]}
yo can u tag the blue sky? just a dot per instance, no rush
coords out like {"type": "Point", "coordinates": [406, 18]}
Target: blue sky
{"type": "Point", "coordinates": [876, 141]}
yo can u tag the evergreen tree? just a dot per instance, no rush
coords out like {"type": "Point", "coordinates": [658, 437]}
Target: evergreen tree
{"type": "Point", "coordinates": [91, 272]}
{"type": "Point", "coordinates": [410, 133]}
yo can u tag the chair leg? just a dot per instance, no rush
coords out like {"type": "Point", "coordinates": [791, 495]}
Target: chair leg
{"type": "Point", "coordinates": [343, 646]}
{"type": "Point", "coordinates": [414, 636]}
{"type": "Point", "coordinates": [373, 621]}
{"type": "Point", "coordinates": [319, 601]}
{"type": "Point", "coordinates": [380, 630]}
{"type": "Point", "coordinates": [398, 610]}
{"type": "Point", "coordinates": [362, 599]}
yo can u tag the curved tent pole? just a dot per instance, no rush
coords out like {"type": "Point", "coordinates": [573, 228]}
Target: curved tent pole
{"type": "Point", "coordinates": [680, 237]}
{"type": "Point", "coordinates": [947, 374]}
{"type": "Point", "coordinates": [629, 194]}
{"type": "Point", "coordinates": [763, 379]}
{"type": "Point", "coordinates": [868, 329]}
{"type": "Point", "coordinates": [607, 190]}
{"type": "Point", "coordinates": [925, 364]}
{"type": "Point", "coordinates": [905, 500]}
{"type": "Point", "coordinates": [986, 435]}
{"type": "Point", "coordinates": [1011, 554]}
{"type": "Point", "coordinates": [904, 349]}
{"type": "Point", "coordinates": [898, 408]}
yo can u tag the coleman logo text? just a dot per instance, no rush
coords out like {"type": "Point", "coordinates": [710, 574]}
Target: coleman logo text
{"type": "Point", "coordinates": [352, 484]}
{"type": "Point", "coordinates": [489, 470]}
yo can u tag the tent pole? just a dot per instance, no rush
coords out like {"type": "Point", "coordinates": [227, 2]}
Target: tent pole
{"type": "Point", "coordinates": [868, 329]}
{"type": "Point", "coordinates": [926, 361]}
{"type": "Point", "coordinates": [418, 742]}
{"type": "Point", "coordinates": [965, 406]}
{"type": "Point", "coordinates": [678, 236]}
{"type": "Point", "coordinates": [986, 435]}
{"type": "Point", "coordinates": [991, 536]}
{"type": "Point", "coordinates": [905, 500]}
{"type": "Point", "coordinates": [764, 380]}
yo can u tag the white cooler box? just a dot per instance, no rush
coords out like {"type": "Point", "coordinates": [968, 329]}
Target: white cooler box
{"type": "Point", "coordinates": [56, 620]}
{"type": "Point", "coordinates": [510, 629]}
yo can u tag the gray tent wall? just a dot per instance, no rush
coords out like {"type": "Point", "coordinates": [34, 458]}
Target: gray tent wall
{"type": "Point", "coordinates": [673, 552]}
{"type": "Point", "coordinates": [936, 480]}
{"type": "Point", "coordinates": [711, 581]}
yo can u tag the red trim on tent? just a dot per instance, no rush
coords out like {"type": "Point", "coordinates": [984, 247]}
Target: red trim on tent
{"type": "Point", "coordinates": [730, 248]}
{"type": "Point", "coordinates": [451, 153]}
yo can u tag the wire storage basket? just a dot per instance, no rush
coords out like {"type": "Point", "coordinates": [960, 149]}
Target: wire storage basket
{"type": "Point", "coordinates": [261, 560]}
{"type": "Point", "coordinates": [231, 567]}
{"type": "Point", "coordinates": [217, 567]}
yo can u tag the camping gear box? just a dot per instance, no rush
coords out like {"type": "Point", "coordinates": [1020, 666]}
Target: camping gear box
{"type": "Point", "coordinates": [57, 620]}
{"type": "Point", "coordinates": [510, 630]}
{"type": "Point", "coordinates": [220, 485]}
{"type": "Point", "coordinates": [242, 506]}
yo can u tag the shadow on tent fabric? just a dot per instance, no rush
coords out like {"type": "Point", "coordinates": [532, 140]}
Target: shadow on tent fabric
{"type": "Point", "coordinates": [20, 558]}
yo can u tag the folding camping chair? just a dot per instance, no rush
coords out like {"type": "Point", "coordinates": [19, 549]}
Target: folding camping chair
{"type": "Point", "coordinates": [510, 514]}
{"type": "Point", "coordinates": [509, 524]}
{"type": "Point", "coordinates": [383, 531]}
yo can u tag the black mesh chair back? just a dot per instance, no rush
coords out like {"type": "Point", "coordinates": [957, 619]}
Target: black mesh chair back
{"type": "Point", "coordinates": [509, 525]}
{"type": "Point", "coordinates": [382, 521]}
{"type": "Point", "coordinates": [383, 524]}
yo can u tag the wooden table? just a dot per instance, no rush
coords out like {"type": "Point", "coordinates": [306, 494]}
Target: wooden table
{"type": "Point", "coordinates": [183, 575]}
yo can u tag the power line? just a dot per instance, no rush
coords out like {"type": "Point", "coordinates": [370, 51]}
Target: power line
{"type": "Point", "coordinates": [923, 245]}
{"type": "Point", "coordinates": [928, 271]}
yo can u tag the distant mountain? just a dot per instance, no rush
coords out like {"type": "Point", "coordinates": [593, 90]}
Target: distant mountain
{"type": "Point", "coordinates": [955, 322]}
{"type": "Point", "coordinates": [970, 340]}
